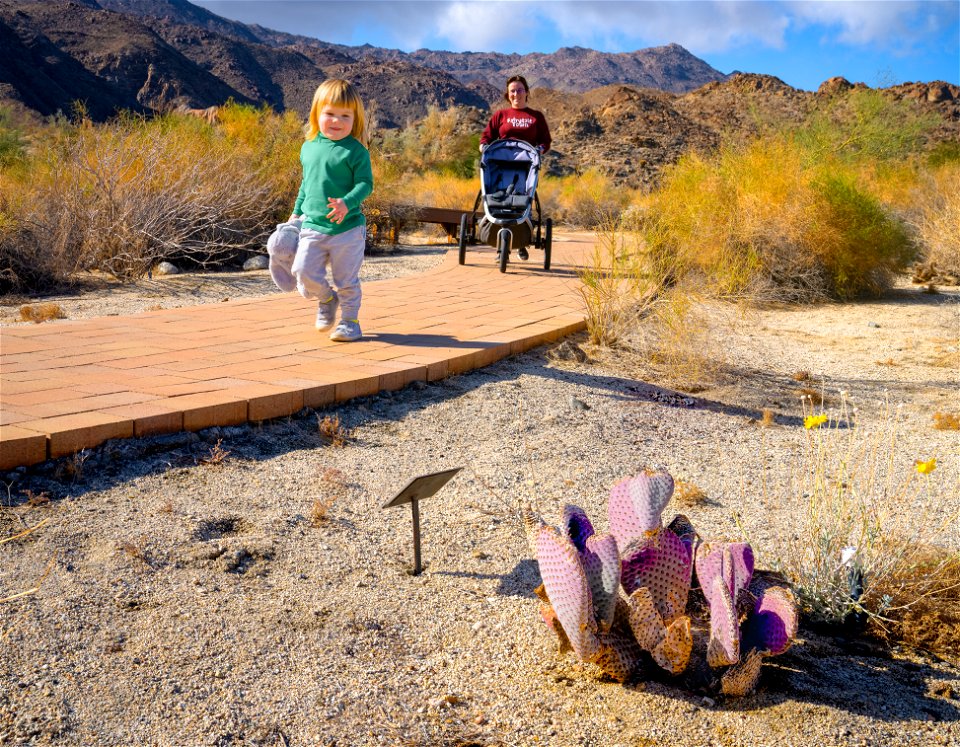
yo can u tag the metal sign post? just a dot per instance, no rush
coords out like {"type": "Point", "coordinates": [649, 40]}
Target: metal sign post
{"type": "Point", "coordinates": [415, 491]}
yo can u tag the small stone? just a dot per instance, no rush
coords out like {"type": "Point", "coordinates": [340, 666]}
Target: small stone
{"type": "Point", "coordinates": [166, 268]}
{"type": "Point", "coordinates": [708, 702]}
{"type": "Point", "coordinates": [873, 324]}
{"type": "Point", "coordinates": [579, 405]}
{"type": "Point", "coordinates": [259, 262]}
{"type": "Point", "coordinates": [480, 720]}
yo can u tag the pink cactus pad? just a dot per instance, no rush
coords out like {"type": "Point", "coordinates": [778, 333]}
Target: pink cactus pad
{"type": "Point", "coordinates": [565, 583]}
{"type": "Point", "coordinates": [577, 525]}
{"type": "Point", "coordinates": [723, 648]}
{"type": "Point", "coordinates": [733, 562]}
{"type": "Point", "coordinates": [773, 625]}
{"type": "Point", "coordinates": [682, 527]}
{"type": "Point", "coordinates": [636, 504]}
{"type": "Point", "coordinates": [661, 564]}
{"type": "Point", "coordinates": [601, 562]}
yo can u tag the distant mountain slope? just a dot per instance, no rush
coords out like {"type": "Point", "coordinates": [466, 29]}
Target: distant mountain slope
{"type": "Point", "coordinates": [156, 55]}
{"type": "Point", "coordinates": [669, 68]}
{"type": "Point", "coordinates": [150, 55]}
{"type": "Point", "coordinates": [60, 51]}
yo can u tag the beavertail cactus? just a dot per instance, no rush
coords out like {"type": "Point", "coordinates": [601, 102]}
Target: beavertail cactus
{"type": "Point", "coordinates": [636, 504]}
{"type": "Point", "coordinates": [580, 592]}
{"type": "Point", "coordinates": [769, 621]}
{"type": "Point", "coordinates": [656, 571]}
{"type": "Point", "coordinates": [583, 571]}
{"type": "Point", "coordinates": [577, 525]}
{"type": "Point", "coordinates": [669, 643]}
{"type": "Point", "coordinates": [565, 583]}
{"type": "Point", "coordinates": [741, 679]}
{"type": "Point", "coordinates": [724, 572]}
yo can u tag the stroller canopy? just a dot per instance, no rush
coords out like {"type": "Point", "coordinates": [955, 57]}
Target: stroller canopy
{"type": "Point", "coordinates": [509, 167]}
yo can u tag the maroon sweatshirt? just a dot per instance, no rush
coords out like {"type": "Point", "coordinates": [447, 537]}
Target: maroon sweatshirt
{"type": "Point", "coordinates": [523, 124]}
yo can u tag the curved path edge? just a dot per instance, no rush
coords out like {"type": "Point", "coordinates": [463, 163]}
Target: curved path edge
{"type": "Point", "coordinates": [72, 385]}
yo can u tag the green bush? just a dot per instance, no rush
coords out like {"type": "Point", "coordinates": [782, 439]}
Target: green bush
{"type": "Point", "coordinates": [859, 245]}
{"type": "Point", "coordinates": [13, 144]}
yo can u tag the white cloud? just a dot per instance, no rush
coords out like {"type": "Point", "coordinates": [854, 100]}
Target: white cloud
{"type": "Point", "coordinates": [702, 26]}
{"type": "Point", "coordinates": [699, 26]}
{"type": "Point", "coordinates": [480, 27]}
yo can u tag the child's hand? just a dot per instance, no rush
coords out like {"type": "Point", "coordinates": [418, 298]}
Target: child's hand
{"type": "Point", "coordinates": [338, 209]}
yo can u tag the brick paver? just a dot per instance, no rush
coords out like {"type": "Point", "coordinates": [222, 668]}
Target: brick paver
{"type": "Point", "coordinates": [70, 385]}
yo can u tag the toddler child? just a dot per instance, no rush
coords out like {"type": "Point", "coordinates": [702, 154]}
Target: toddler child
{"type": "Point", "coordinates": [337, 177]}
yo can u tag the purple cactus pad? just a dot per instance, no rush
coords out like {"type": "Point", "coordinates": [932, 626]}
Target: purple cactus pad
{"type": "Point", "coordinates": [566, 585]}
{"type": "Point", "coordinates": [733, 562]}
{"type": "Point", "coordinates": [662, 565]}
{"type": "Point", "coordinates": [601, 562]}
{"type": "Point", "coordinates": [577, 525]}
{"type": "Point", "coordinates": [723, 648]}
{"type": "Point", "coordinates": [773, 625]}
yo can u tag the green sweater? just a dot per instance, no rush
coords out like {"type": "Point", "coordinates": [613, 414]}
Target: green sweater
{"type": "Point", "coordinates": [333, 168]}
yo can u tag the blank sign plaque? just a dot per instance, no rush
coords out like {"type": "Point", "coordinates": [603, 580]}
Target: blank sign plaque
{"type": "Point", "coordinates": [415, 491]}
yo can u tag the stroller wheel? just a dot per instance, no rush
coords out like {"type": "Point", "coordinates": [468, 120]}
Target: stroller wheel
{"type": "Point", "coordinates": [503, 249]}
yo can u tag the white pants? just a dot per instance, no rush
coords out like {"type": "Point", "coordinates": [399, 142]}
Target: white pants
{"type": "Point", "coordinates": [343, 252]}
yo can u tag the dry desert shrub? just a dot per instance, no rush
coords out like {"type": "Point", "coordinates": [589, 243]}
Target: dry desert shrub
{"type": "Point", "coordinates": [445, 141]}
{"type": "Point", "coordinates": [763, 220]}
{"type": "Point", "coordinates": [121, 196]}
{"type": "Point", "coordinates": [925, 602]}
{"type": "Point", "coordinates": [320, 509]}
{"type": "Point", "coordinates": [216, 455]}
{"type": "Point", "coordinates": [876, 533]}
{"type": "Point", "coordinates": [586, 200]}
{"type": "Point", "coordinates": [614, 286]}
{"type": "Point", "coordinates": [688, 494]}
{"type": "Point", "coordinates": [41, 312]}
{"type": "Point", "coordinates": [331, 430]}
{"type": "Point", "coordinates": [434, 189]}
{"type": "Point", "coordinates": [937, 220]}
{"type": "Point", "coordinates": [946, 421]}
{"type": "Point", "coordinates": [639, 312]}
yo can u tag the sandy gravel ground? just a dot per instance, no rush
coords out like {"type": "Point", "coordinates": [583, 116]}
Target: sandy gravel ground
{"type": "Point", "coordinates": [257, 593]}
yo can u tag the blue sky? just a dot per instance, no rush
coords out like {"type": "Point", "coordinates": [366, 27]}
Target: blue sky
{"type": "Point", "coordinates": [803, 42]}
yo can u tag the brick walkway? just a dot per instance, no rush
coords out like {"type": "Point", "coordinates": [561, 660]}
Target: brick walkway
{"type": "Point", "coordinates": [70, 385]}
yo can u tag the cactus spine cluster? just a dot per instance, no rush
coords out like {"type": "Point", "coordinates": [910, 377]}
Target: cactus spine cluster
{"type": "Point", "coordinates": [584, 572]}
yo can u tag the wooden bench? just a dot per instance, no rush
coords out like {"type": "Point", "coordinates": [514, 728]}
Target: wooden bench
{"type": "Point", "coordinates": [449, 218]}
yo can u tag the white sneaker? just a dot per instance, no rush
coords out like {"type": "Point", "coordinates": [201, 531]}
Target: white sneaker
{"type": "Point", "coordinates": [347, 331]}
{"type": "Point", "coordinates": [327, 312]}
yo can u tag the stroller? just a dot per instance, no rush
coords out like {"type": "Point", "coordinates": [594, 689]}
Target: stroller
{"type": "Point", "coordinates": [509, 172]}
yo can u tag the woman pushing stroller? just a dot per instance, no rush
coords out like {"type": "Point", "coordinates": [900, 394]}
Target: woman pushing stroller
{"type": "Point", "coordinates": [517, 120]}
{"type": "Point", "coordinates": [511, 146]}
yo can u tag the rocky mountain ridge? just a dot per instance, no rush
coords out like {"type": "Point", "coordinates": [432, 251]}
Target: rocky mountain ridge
{"type": "Point", "coordinates": [158, 54]}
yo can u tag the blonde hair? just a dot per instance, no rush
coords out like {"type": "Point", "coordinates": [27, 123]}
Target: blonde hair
{"type": "Point", "coordinates": [336, 92]}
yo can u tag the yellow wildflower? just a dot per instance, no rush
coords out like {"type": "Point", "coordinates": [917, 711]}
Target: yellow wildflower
{"type": "Point", "coordinates": [814, 421]}
{"type": "Point", "coordinates": [925, 468]}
